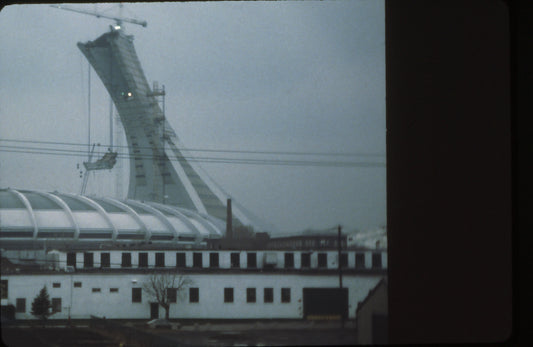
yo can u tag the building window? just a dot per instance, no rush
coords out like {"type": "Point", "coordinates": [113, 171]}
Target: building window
{"type": "Point", "coordinates": [113, 290]}
{"type": "Point", "coordinates": [56, 305]}
{"type": "Point", "coordinates": [251, 260]}
{"type": "Point", "coordinates": [228, 294]}
{"type": "Point", "coordinates": [160, 259]}
{"type": "Point", "coordinates": [136, 294]}
{"type": "Point", "coordinates": [235, 260]}
{"type": "Point", "coordinates": [197, 259]}
{"type": "Point", "coordinates": [3, 289]}
{"type": "Point", "coordinates": [88, 260]}
{"type": "Point", "coordinates": [344, 260]}
{"type": "Point", "coordinates": [77, 284]}
{"type": "Point", "coordinates": [56, 285]}
{"type": "Point", "coordinates": [289, 260]}
{"type": "Point", "coordinates": [143, 259]}
{"type": "Point", "coordinates": [306, 260]}
{"type": "Point", "coordinates": [213, 260]}
{"type": "Point", "coordinates": [180, 260]}
{"type": "Point", "coordinates": [359, 260]}
{"type": "Point", "coordinates": [268, 295]}
{"type": "Point", "coordinates": [105, 260]}
{"type": "Point", "coordinates": [376, 260]}
{"type": "Point", "coordinates": [71, 259]}
{"type": "Point", "coordinates": [285, 295]}
{"type": "Point", "coordinates": [194, 294]}
{"type": "Point", "coordinates": [96, 290]}
{"type": "Point", "coordinates": [126, 259]}
{"type": "Point", "coordinates": [21, 305]}
{"type": "Point", "coordinates": [250, 294]}
{"type": "Point", "coordinates": [172, 294]}
{"type": "Point", "coordinates": [322, 260]}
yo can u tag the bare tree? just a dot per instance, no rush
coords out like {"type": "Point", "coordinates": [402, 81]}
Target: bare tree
{"type": "Point", "coordinates": [166, 288]}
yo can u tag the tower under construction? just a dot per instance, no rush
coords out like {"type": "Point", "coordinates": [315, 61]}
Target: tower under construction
{"type": "Point", "coordinates": [160, 169]}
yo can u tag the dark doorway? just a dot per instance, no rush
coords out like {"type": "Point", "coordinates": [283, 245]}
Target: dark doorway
{"type": "Point", "coordinates": [105, 260]}
{"type": "Point", "coordinates": [71, 259]}
{"type": "Point", "coordinates": [88, 260]}
{"type": "Point", "coordinates": [180, 260]}
{"type": "Point", "coordinates": [251, 260]}
{"type": "Point", "coordinates": [213, 259]}
{"type": "Point", "coordinates": [322, 260]}
{"type": "Point", "coordinates": [306, 260]}
{"type": "Point", "coordinates": [160, 259]}
{"type": "Point", "coordinates": [289, 260]}
{"type": "Point", "coordinates": [143, 259]}
{"type": "Point", "coordinates": [325, 303]}
{"type": "Point", "coordinates": [126, 260]}
{"type": "Point", "coordinates": [235, 260]}
{"type": "Point", "coordinates": [154, 310]}
{"type": "Point", "coordinates": [197, 260]}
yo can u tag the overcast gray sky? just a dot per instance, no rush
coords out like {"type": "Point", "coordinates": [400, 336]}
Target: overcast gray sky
{"type": "Point", "coordinates": [299, 76]}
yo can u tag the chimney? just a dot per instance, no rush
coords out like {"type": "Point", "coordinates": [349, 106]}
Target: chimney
{"type": "Point", "coordinates": [229, 227]}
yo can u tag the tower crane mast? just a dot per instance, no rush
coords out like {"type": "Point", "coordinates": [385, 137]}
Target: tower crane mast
{"type": "Point", "coordinates": [118, 20]}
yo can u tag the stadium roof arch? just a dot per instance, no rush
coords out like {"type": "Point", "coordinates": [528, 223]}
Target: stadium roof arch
{"type": "Point", "coordinates": [30, 215]}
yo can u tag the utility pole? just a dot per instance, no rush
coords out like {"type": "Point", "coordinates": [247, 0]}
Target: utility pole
{"type": "Point", "coordinates": [339, 250]}
{"type": "Point", "coordinates": [340, 270]}
{"type": "Point", "coordinates": [70, 306]}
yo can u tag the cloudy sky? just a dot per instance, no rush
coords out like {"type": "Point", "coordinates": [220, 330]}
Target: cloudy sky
{"type": "Point", "coordinates": [303, 77]}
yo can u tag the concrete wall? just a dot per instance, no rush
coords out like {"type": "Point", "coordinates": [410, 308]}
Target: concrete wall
{"type": "Point", "coordinates": [84, 302]}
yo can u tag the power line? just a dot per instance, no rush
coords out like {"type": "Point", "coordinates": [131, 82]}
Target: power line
{"type": "Point", "coordinates": [230, 161]}
{"type": "Point", "coordinates": [221, 160]}
{"type": "Point", "coordinates": [212, 150]}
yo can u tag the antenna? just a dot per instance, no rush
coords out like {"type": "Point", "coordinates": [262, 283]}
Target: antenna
{"type": "Point", "coordinates": [118, 20]}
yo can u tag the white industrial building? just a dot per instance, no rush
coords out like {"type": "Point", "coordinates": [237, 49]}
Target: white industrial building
{"type": "Point", "coordinates": [224, 284]}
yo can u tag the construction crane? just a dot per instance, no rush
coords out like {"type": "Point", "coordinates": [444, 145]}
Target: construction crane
{"type": "Point", "coordinates": [109, 159]}
{"type": "Point", "coordinates": [118, 20]}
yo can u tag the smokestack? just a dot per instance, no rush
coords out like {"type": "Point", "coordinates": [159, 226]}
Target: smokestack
{"type": "Point", "coordinates": [229, 227]}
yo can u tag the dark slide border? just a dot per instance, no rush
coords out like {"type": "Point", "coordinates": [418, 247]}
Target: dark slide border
{"type": "Point", "coordinates": [457, 148]}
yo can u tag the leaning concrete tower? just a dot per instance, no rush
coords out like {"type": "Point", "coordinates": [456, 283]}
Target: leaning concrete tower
{"type": "Point", "coordinates": [159, 167]}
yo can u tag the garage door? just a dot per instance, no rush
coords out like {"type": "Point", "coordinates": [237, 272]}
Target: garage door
{"type": "Point", "coordinates": [325, 303]}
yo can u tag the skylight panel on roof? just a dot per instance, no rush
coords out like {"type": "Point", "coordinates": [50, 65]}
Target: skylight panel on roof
{"type": "Point", "coordinates": [10, 200]}
{"type": "Point", "coordinates": [76, 205]}
{"type": "Point", "coordinates": [107, 206]}
{"type": "Point", "coordinates": [137, 208]}
{"type": "Point", "coordinates": [39, 202]}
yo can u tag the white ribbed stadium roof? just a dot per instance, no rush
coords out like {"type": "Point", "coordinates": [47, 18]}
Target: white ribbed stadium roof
{"type": "Point", "coordinates": [37, 215]}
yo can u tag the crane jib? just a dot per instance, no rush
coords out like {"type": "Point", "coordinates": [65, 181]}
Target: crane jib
{"type": "Point", "coordinates": [118, 20]}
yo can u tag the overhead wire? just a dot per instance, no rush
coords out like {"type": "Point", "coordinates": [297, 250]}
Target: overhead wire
{"type": "Point", "coordinates": [64, 150]}
{"type": "Point", "coordinates": [78, 153]}
{"type": "Point", "coordinates": [211, 150]}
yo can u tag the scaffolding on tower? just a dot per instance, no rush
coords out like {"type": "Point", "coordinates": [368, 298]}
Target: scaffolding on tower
{"type": "Point", "coordinates": [119, 189]}
{"type": "Point", "coordinates": [107, 162]}
{"type": "Point", "coordinates": [158, 110]}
